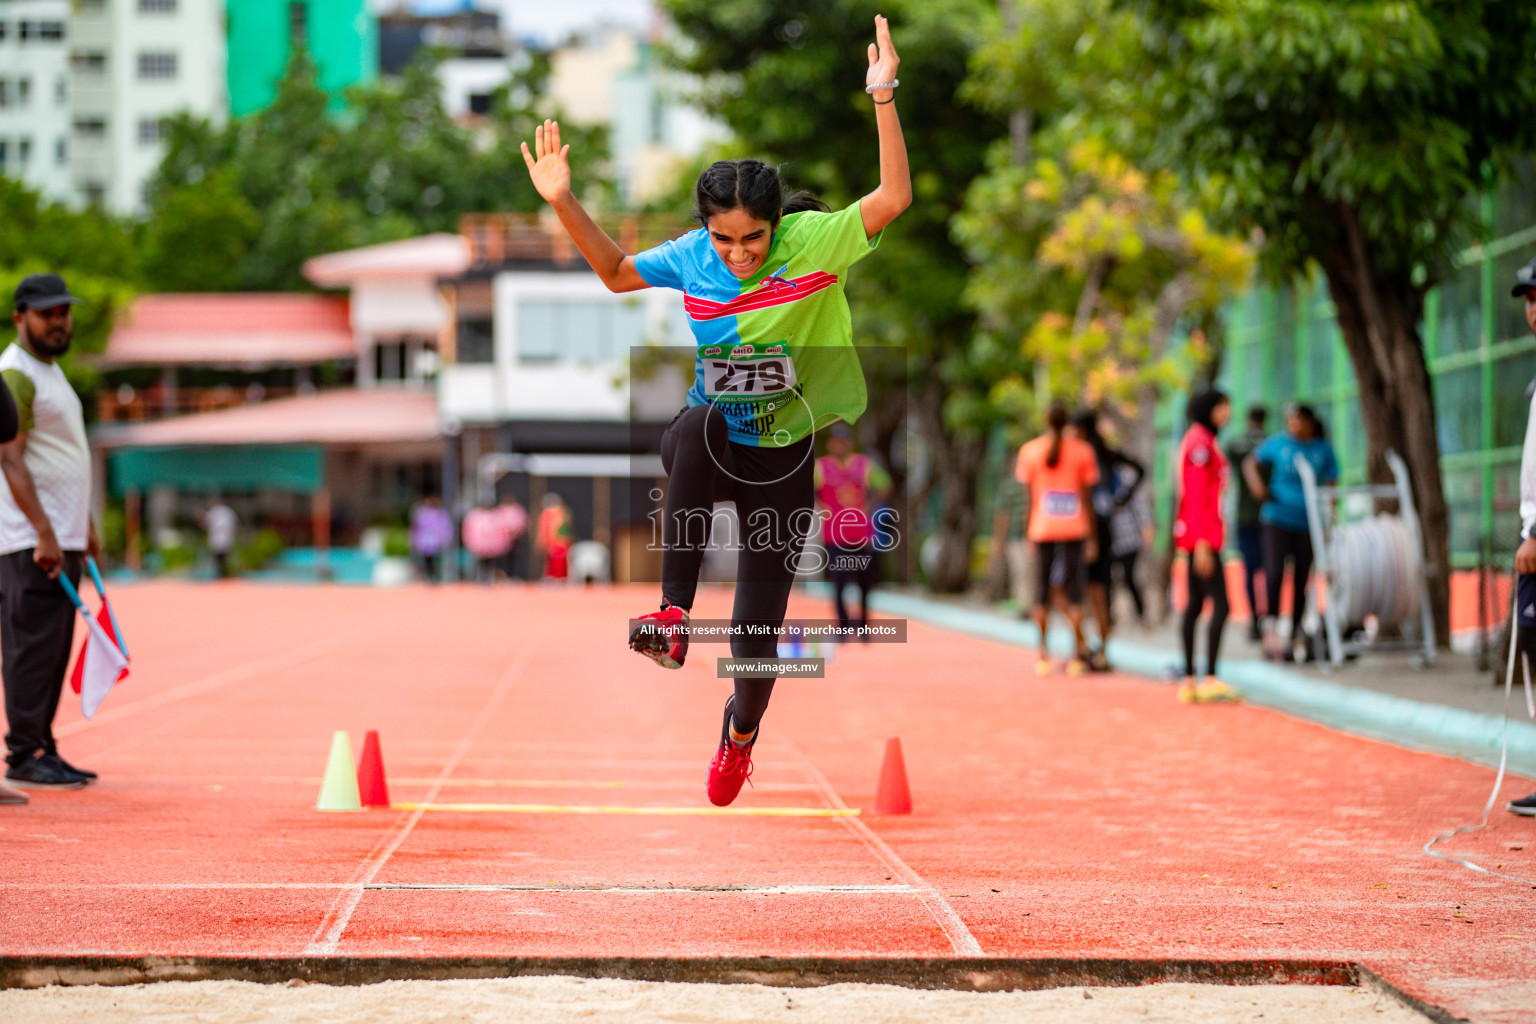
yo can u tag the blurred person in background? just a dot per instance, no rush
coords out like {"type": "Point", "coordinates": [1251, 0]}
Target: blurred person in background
{"type": "Point", "coordinates": [1199, 531]}
{"type": "Point", "coordinates": [431, 532]}
{"type": "Point", "coordinates": [1107, 496]}
{"type": "Point", "coordinates": [1131, 530]}
{"type": "Point", "coordinates": [1287, 531]}
{"type": "Point", "coordinates": [1250, 541]}
{"type": "Point", "coordinates": [555, 536]}
{"type": "Point", "coordinates": [221, 523]}
{"type": "Point", "coordinates": [45, 530]}
{"type": "Point", "coordinates": [514, 520]}
{"type": "Point", "coordinates": [486, 536]}
{"type": "Point", "coordinates": [848, 485]}
{"type": "Point", "coordinates": [1059, 472]}
{"type": "Point", "coordinates": [1525, 557]}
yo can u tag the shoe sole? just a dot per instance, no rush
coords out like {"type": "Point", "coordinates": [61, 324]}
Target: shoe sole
{"type": "Point", "coordinates": [1524, 812]}
{"type": "Point", "coordinates": [655, 648]}
{"type": "Point", "coordinates": [28, 784]}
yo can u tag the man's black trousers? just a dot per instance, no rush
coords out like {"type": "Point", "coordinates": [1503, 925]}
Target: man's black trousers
{"type": "Point", "coordinates": [37, 628]}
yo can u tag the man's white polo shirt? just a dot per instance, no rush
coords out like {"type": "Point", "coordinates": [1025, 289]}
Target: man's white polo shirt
{"type": "Point", "coordinates": [57, 453]}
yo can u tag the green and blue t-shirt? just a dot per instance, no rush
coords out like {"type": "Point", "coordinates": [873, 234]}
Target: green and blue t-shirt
{"type": "Point", "coordinates": [775, 352]}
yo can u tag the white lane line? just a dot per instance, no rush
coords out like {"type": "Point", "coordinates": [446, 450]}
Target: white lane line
{"type": "Point", "coordinates": [949, 922]}
{"type": "Point", "coordinates": [620, 890]}
{"type": "Point", "coordinates": [646, 890]}
{"type": "Point", "coordinates": [240, 673]}
{"type": "Point", "coordinates": [328, 934]}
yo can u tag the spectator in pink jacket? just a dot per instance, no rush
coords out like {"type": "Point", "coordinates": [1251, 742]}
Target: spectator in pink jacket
{"type": "Point", "coordinates": [1200, 532]}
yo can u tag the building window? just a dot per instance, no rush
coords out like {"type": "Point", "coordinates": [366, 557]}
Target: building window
{"type": "Point", "coordinates": [157, 65]}
{"type": "Point", "coordinates": [298, 19]}
{"type": "Point", "coordinates": [476, 341]}
{"type": "Point", "coordinates": [61, 90]}
{"type": "Point", "coordinates": [24, 150]}
{"type": "Point", "coordinates": [91, 62]}
{"type": "Point", "coordinates": [157, 6]}
{"type": "Point", "coordinates": [5, 151]}
{"type": "Point", "coordinates": [151, 130]}
{"type": "Point", "coordinates": [23, 91]}
{"type": "Point", "coordinates": [91, 127]}
{"type": "Point", "coordinates": [95, 192]}
{"type": "Point", "coordinates": [61, 151]}
{"type": "Point", "coordinates": [5, 92]}
{"type": "Point", "coordinates": [5, 30]}
{"type": "Point", "coordinates": [26, 30]}
{"type": "Point", "coordinates": [577, 332]}
{"type": "Point", "coordinates": [51, 31]}
{"type": "Point", "coordinates": [480, 103]}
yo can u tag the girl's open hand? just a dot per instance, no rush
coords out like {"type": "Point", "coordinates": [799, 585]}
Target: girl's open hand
{"type": "Point", "coordinates": [550, 163]}
{"type": "Point", "coordinates": [883, 60]}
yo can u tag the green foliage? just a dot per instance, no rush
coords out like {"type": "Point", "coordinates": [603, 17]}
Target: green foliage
{"type": "Point", "coordinates": [265, 545]}
{"type": "Point", "coordinates": [1296, 109]}
{"type": "Point", "coordinates": [244, 205]}
{"type": "Point", "coordinates": [397, 542]}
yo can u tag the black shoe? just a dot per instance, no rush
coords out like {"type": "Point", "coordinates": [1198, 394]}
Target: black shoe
{"type": "Point", "coordinates": [1255, 634]}
{"type": "Point", "coordinates": [45, 771]}
{"type": "Point", "coordinates": [1526, 805]}
{"type": "Point", "coordinates": [88, 776]}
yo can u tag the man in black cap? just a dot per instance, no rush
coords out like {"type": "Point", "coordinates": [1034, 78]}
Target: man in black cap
{"type": "Point", "coordinates": [1525, 558]}
{"type": "Point", "coordinates": [45, 529]}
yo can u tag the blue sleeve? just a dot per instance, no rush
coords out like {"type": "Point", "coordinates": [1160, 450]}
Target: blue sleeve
{"type": "Point", "coordinates": [663, 266]}
{"type": "Point", "coordinates": [1265, 453]}
{"type": "Point", "coordinates": [1330, 472]}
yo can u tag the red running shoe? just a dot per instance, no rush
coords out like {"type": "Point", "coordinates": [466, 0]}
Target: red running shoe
{"type": "Point", "coordinates": [661, 636]}
{"type": "Point", "coordinates": [732, 764]}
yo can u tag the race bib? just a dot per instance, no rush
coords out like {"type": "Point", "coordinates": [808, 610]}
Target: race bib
{"type": "Point", "coordinates": [1060, 504]}
{"type": "Point", "coordinates": [749, 373]}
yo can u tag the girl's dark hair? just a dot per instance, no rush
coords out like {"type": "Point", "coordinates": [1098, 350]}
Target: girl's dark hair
{"type": "Point", "coordinates": [1056, 422]}
{"type": "Point", "coordinates": [1309, 414]}
{"type": "Point", "coordinates": [1203, 405]}
{"type": "Point", "coordinates": [1087, 424]}
{"type": "Point", "coordinates": [749, 185]}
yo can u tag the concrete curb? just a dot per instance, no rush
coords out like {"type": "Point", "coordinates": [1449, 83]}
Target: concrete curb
{"type": "Point", "coordinates": [1409, 723]}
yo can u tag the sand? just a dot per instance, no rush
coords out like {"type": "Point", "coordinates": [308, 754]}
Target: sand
{"type": "Point", "coordinates": [551, 999]}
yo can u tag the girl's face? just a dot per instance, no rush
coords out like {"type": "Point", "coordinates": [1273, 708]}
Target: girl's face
{"type": "Point", "coordinates": [1299, 426]}
{"type": "Point", "coordinates": [1222, 415]}
{"type": "Point", "coordinates": [741, 240]}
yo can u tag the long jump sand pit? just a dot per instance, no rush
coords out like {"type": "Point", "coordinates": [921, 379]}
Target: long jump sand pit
{"type": "Point", "coordinates": [548, 1000]}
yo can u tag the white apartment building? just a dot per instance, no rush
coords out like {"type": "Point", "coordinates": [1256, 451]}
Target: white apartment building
{"type": "Point", "coordinates": [35, 95]}
{"type": "Point", "coordinates": [133, 64]}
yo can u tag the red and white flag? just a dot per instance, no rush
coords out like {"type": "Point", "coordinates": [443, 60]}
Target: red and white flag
{"type": "Point", "coordinates": [100, 664]}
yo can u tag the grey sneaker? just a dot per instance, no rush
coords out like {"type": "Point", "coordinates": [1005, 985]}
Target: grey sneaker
{"type": "Point", "coordinates": [1526, 805]}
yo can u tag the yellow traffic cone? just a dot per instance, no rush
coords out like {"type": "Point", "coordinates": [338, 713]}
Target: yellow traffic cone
{"type": "Point", "coordinates": [338, 791]}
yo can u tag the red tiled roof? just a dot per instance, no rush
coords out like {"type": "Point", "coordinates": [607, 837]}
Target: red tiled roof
{"type": "Point", "coordinates": [241, 329]}
{"type": "Point", "coordinates": [347, 416]}
{"type": "Point", "coordinates": [439, 255]}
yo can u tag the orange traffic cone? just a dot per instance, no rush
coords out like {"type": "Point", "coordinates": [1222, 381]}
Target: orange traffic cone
{"type": "Point", "coordinates": [371, 787]}
{"type": "Point", "coordinates": [893, 796]}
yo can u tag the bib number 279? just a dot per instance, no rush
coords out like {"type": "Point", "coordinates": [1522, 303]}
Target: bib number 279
{"type": "Point", "coordinates": [748, 377]}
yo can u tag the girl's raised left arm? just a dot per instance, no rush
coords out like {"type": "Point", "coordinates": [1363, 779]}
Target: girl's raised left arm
{"type": "Point", "coordinates": [894, 194]}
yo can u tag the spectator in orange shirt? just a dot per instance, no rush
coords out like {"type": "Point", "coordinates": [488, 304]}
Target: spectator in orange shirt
{"type": "Point", "coordinates": [1059, 473]}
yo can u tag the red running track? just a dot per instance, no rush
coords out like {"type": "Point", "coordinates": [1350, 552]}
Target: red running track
{"type": "Point", "coordinates": [1055, 817]}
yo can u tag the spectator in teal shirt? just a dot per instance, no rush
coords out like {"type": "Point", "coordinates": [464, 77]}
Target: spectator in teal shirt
{"type": "Point", "coordinates": [1287, 536]}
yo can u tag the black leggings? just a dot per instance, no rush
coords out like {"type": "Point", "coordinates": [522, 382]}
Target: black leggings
{"type": "Point", "coordinates": [1214, 587]}
{"type": "Point", "coordinates": [1281, 544]}
{"type": "Point", "coordinates": [1127, 565]}
{"type": "Point", "coordinates": [774, 490]}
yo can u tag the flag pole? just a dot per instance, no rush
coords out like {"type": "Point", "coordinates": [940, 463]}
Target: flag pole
{"type": "Point", "coordinates": [101, 590]}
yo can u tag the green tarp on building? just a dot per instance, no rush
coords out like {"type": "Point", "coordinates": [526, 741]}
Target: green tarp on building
{"type": "Point", "coordinates": [298, 468]}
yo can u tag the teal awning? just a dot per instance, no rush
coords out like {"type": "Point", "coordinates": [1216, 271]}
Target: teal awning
{"type": "Point", "coordinates": [298, 468]}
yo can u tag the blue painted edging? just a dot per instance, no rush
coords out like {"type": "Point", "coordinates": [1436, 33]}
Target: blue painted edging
{"type": "Point", "coordinates": [1410, 723]}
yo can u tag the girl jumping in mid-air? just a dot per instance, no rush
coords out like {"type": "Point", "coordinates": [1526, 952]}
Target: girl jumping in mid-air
{"type": "Point", "coordinates": [762, 282]}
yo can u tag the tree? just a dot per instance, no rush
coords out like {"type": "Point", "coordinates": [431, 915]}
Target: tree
{"type": "Point", "coordinates": [786, 77]}
{"type": "Point", "coordinates": [94, 253]}
{"type": "Point", "coordinates": [1356, 135]}
{"type": "Point", "coordinates": [1093, 265]}
{"type": "Point", "coordinates": [242, 206]}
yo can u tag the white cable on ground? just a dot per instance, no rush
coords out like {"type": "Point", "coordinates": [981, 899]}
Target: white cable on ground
{"type": "Point", "coordinates": [1498, 782]}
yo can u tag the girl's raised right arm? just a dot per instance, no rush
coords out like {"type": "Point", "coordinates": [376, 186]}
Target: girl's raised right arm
{"type": "Point", "coordinates": [550, 167]}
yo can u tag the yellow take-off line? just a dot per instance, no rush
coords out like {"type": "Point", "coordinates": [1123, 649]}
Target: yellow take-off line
{"type": "Point", "coordinates": [764, 812]}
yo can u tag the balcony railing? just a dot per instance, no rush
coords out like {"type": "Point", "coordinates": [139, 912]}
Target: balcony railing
{"type": "Point", "coordinates": [499, 238]}
{"type": "Point", "coordinates": [128, 404]}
